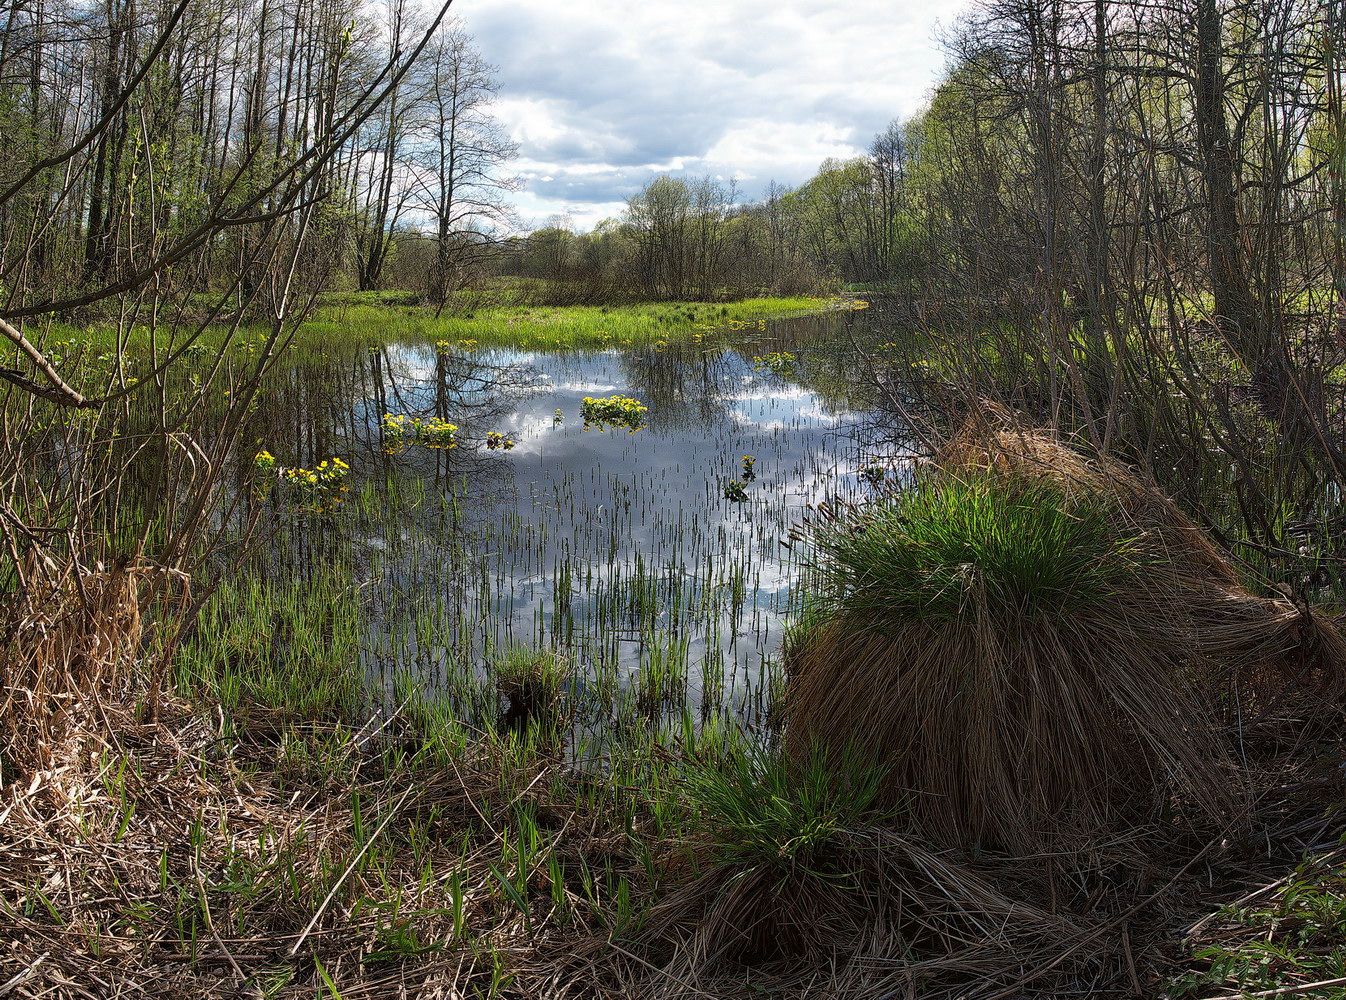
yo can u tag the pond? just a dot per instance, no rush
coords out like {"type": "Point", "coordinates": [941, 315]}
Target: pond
{"type": "Point", "coordinates": [650, 558]}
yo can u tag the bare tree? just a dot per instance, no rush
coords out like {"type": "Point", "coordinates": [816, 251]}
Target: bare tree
{"type": "Point", "coordinates": [458, 152]}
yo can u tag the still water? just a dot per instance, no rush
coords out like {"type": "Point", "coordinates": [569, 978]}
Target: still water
{"type": "Point", "coordinates": [633, 554]}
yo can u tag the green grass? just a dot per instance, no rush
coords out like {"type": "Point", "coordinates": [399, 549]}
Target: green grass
{"type": "Point", "coordinates": [1284, 941]}
{"type": "Point", "coordinates": [290, 648]}
{"type": "Point", "coordinates": [764, 811]}
{"type": "Point", "coordinates": [532, 681]}
{"type": "Point", "coordinates": [926, 553]}
{"type": "Point", "coordinates": [373, 320]}
{"type": "Point", "coordinates": [554, 327]}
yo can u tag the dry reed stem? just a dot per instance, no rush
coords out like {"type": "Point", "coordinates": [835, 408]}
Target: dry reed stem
{"type": "Point", "coordinates": [892, 914]}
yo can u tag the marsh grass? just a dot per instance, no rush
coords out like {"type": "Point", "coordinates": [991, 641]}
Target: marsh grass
{"type": "Point", "coordinates": [557, 327]}
{"type": "Point", "coordinates": [287, 648]}
{"type": "Point", "coordinates": [532, 683]}
{"type": "Point", "coordinates": [788, 861]}
{"type": "Point", "coordinates": [762, 810]}
{"type": "Point", "coordinates": [354, 321]}
{"type": "Point", "coordinates": [1015, 655]}
{"type": "Point", "coordinates": [280, 847]}
{"type": "Point", "coordinates": [953, 548]}
{"type": "Point", "coordinates": [772, 837]}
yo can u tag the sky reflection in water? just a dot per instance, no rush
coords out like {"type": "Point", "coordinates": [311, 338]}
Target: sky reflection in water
{"type": "Point", "coordinates": [609, 546]}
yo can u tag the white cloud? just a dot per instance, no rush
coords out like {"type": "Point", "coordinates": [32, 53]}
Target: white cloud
{"type": "Point", "coordinates": [767, 148]}
{"type": "Point", "coordinates": [602, 95]}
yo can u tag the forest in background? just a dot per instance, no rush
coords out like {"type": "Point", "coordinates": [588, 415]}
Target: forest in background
{"type": "Point", "coordinates": [1083, 161]}
{"type": "Point", "coordinates": [1112, 248]}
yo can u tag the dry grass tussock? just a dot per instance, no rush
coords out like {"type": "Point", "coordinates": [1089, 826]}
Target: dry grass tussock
{"type": "Point", "coordinates": [1273, 649]}
{"type": "Point", "coordinates": [877, 912]}
{"type": "Point", "coordinates": [1044, 650]}
{"type": "Point", "coordinates": [1076, 708]}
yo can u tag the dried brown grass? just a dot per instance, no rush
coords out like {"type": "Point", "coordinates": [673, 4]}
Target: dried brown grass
{"type": "Point", "coordinates": [1274, 647]}
{"type": "Point", "coordinates": [1054, 732]}
{"type": "Point", "coordinates": [879, 899]}
{"type": "Point", "coordinates": [171, 855]}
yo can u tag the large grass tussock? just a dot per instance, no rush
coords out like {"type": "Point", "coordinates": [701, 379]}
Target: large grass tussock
{"type": "Point", "coordinates": [1040, 649]}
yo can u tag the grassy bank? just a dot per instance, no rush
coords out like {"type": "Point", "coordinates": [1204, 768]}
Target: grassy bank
{"type": "Point", "coordinates": [557, 327]}
{"type": "Point", "coordinates": [270, 837]}
{"type": "Point", "coordinates": [232, 847]}
{"type": "Point", "coordinates": [496, 320]}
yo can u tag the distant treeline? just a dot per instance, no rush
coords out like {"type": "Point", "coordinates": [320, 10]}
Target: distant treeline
{"type": "Point", "coordinates": [1082, 160]}
{"type": "Point", "coordinates": [692, 239]}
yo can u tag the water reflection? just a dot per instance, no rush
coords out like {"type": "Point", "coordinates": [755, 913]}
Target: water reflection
{"type": "Point", "coordinates": [621, 550]}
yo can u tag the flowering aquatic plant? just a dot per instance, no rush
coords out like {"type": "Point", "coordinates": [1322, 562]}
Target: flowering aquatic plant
{"type": "Point", "coordinates": [307, 491]}
{"type": "Point", "coordinates": [777, 363]}
{"type": "Point", "coordinates": [400, 432]}
{"type": "Point", "coordinates": [436, 433]}
{"type": "Point", "coordinates": [614, 411]}
{"type": "Point", "coordinates": [735, 491]}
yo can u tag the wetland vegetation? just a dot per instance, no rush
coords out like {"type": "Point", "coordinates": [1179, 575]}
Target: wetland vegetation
{"type": "Point", "coordinates": [392, 604]}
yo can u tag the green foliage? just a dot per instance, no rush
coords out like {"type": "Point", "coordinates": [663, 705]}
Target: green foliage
{"type": "Point", "coordinates": [319, 490]}
{"type": "Point", "coordinates": [945, 547]}
{"type": "Point", "coordinates": [290, 648]}
{"type": "Point", "coordinates": [780, 363]}
{"type": "Point", "coordinates": [508, 322]}
{"type": "Point", "coordinates": [1295, 938]}
{"type": "Point", "coordinates": [765, 811]}
{"type": "Point", "coordinates": [614, 411]}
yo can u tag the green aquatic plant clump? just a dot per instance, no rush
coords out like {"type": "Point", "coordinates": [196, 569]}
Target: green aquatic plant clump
{"type": "Point", "coordinates": [614, 411]}
{"type": "Point", "coordinates": [950, 549]}
{"type": "Point", "coordinates": [781, 363]}
{"type": "Point", "coordinates": [400, 432]}
{"type": "Point", "coordinates": [308, 491]}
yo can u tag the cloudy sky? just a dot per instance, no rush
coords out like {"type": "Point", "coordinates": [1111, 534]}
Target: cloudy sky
{"type": "Point", "coordinates": [603, 95]}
